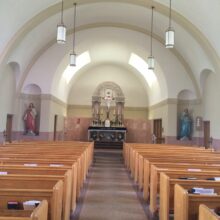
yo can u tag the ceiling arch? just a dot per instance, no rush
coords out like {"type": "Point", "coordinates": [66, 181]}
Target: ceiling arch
{"type": "Point", "coordinates": [48, 14]}
{"type": "Point", "coordinates": [122, 43]}
{"type": "Point", "coordinates": [54, 9]}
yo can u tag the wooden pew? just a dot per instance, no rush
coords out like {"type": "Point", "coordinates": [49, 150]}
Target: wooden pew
{"type": "Point", "coordinates": [47, 180]}
{"type": "Point", "coordinates": [64, 173]}
{"type": "Point", "coordinates": [53, 196]}
{"type": "Point", "coordinates": [150, 148]}
{"type": "Point", "coordinates": [66, 148]}
{"type": "Point", "coordinates": [35, 162]}
{"type": "Point", "coordinates": [52, 153]}
{"type": "Point", "coordinates": [62, 147]}
{"type": "Point", "coordinates": [156, 167]}
{"type": "Point", "coordinates": [57, 157]}
{"type": "Point", "coordinates": [186, 206]}
{"type": "Point", "coordinates": [206, 213]}
{"type": "Point", "coordinates": [168, 181]}
{"type": "Point", "coordinates": [39, 213]}
{"type": "Point", "coordinates": [137, 157]}
{"type": "Point", "coordinates": [85, 152]}
{"type": "Point", "coordinates": [165, 153]}
{"type": "Point", "coordinates": [148, 163]}
{"type": "Point", "coordinates": [180, 171]}
{"type": "Point", "coordinates": [29, 152]}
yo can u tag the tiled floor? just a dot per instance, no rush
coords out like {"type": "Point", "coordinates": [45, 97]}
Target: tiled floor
{"type": "Point", "coordinates": [109, 193]}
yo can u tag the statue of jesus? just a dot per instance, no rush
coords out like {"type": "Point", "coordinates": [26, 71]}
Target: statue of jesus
{"type": "Point", "coordinates": [29, 119]}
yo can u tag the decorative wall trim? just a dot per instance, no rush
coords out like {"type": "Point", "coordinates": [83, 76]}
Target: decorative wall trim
{"type": "Point", "coordinates": [136, 108]}
{"type": "Point", "coordinates": [29, 96]}
{"type": "Point", "coordinates": [191, 102]}
{"type": "Point", "coordinates": [88, 107]}
{"type": "Point", "coordinates": [70, 107]}
{"type": "Point", "coordinates": [173, 101]}
{"type": "Point", "coordinates": [52, 98]}
{"type": "Point", "coordinates": [46, 97]}
{"type": "Point", "coordinates": [163, 103]}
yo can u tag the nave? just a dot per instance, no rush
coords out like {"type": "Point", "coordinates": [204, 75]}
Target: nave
{"type": "Point", "coordinates": [178, 180]}
{"type": "Point", "coordinates": [109, 192]}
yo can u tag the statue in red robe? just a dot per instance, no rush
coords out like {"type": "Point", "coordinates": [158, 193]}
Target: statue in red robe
{"type": "Point", "coordinates": [29, 118]}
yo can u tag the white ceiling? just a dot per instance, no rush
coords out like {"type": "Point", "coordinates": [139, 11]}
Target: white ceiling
{"type": "Point", "coordinates": [29, 35]}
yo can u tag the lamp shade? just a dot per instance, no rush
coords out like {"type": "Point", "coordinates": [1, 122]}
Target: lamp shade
{"type": "Point", "coordinates": [169, 38]}
{"type": "Point", "coordinates": [61, 34]}
{"type": "Point", "coordinates": [72, 59]}
{"type": "Point", "coordinates": [150, 62]}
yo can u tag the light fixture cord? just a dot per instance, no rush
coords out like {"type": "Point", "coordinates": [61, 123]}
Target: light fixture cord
{"type": "Point", "coordinates": [170, 16]}
{"type": "Point", "coordinates": [74, 27]}
{"type": "Point", "coordinates": [152, 23]}
{"type": "Point", "coordinates": [62, 12]}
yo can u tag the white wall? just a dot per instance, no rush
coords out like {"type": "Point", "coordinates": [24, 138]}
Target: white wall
{"type": "Point", "coordinates": [49, 108]}
{"type": "Point", "coordinates": [211, 104]}
{"type": "Point", "coordinates": [7, 95]}
{"type": "Point", "coordinates": [87, 82]}
{"type": "Point", "coordinates": [167, 111]}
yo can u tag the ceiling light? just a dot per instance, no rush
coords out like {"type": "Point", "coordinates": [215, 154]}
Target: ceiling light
{"type": "Point", "coordinates": [61, 29]}
{"type": "Point", "coordinates": [170, 33]}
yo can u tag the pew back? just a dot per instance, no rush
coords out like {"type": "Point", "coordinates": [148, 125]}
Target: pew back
{"type": "Point", "coordinates": [39, 213]}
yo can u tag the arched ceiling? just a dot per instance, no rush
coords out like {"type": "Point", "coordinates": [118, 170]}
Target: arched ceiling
{"type": "Point", "coordinates": [28, 37]}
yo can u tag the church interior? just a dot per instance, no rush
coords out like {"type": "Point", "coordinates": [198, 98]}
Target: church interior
{"type": "Point", "coordinates": [110, 99]}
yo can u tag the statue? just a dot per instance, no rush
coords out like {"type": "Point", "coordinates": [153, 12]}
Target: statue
{"type": "Point", "coordinates": [29, 119]}
{"type": "Point", "coordinates": [185, 125]}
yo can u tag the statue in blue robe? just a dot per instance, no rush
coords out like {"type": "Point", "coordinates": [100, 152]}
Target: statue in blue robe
{"type": "Point", "coordinates": [185, 125]}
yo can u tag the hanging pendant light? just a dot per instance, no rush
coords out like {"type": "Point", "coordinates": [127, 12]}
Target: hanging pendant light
{"type": "Point", "coordinates": [73, 54]}
{"type": "Point", "coordinates": [170, 33]}
{"type": "Point", "coordinates": [150, 59]}
{"type": "Point", "coordinates": [61, 29]}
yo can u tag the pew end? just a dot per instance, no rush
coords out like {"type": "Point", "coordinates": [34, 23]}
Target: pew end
{"type": "Point", "coordinates": [205, 213]}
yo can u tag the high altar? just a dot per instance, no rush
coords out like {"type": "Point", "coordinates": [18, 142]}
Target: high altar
{"type": "Point", "coordinates": [107, 116]}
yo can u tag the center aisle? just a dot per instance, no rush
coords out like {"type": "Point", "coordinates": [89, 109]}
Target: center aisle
{"type": "Point", "coordinates": [110, 194]}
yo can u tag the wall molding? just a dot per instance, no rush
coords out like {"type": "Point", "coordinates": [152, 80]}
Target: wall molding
{"type": "Point", "coordinates": [24, 96]}
{"type": "Point", "coordinates": [86, 107]}
{"type": "Point", "coordinates": [43, 97]}
{"type": "Point", "coordinates": [89, 107]}
{"type": "Point", "coordinates": [136, 108]}
{"type": "Point", "coordinates": [190, 102]}
{"type": "Point", "coordinates": [173, 101]}
{"type": "Point", "coordinates": [49, 97]}
{"type": "Point", "coordinates": [163, 103]}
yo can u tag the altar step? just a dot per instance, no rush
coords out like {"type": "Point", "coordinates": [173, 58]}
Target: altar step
{"type": "Point", "coordinates": [108, 145]}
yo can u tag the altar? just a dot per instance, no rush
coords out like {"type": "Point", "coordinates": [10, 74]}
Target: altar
{"type": "Point", "coordinates": [107, 136]}
{"type": "Point", "coordinates": [107, 126]}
